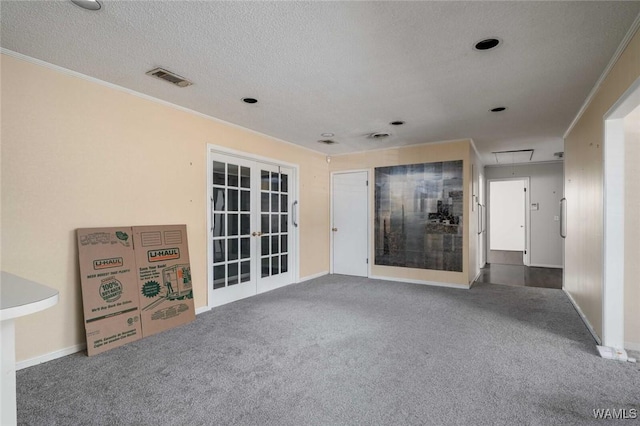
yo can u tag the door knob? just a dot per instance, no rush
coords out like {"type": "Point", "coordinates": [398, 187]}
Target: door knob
{"type": "Point", "coordinates": [256, 234]}
{"type": "Point", "coordinates": [334, 229]}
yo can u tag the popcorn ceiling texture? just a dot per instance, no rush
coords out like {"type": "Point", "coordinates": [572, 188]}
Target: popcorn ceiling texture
{"type": "Point", "coordinates": [349, 68]}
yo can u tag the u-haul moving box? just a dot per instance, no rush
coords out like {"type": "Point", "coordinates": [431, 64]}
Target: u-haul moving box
{"type": "Point", "coordinates": [109, 288]}
{"type": "Point", "coordinates": [164, 277]}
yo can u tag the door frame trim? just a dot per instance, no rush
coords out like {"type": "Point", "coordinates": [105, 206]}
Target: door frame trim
{"type": "Point", "coordinates": [213, 149]}
{"type": "Point", "coordinates": [527, 214]}
{"type": "Point", "coordinates": [369, 224]}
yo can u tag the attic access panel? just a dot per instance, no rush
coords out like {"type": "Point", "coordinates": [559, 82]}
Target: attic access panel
{"type": "Point", "coordinates": [418, 216]}
{"type": "Point", "coordinates": [513, 156]}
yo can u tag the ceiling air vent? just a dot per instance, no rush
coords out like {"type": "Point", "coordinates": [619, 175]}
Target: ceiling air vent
{"type": "Point", "coordinates": [172, 78]}
{"type": "Point", "coordinates": [327, 141]}
{"type": "Point", "coordinates": [379, 135]}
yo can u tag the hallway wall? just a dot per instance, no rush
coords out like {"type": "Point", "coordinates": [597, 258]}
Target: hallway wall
{"type": "Point", "coordinates": [584, 190]}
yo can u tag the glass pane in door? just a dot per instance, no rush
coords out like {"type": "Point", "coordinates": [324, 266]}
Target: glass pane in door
{"type": "Point", "coordinates": [275, 223]}
{"type": "Point", "coordinates": [230, 212]}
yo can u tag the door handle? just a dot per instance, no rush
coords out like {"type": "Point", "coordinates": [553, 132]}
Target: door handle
{"type": "Point", "coordinates": [294, 213]}
{"type": "Point", "coordinates": [211, 213]}
{"type": "Point", "coordinates": [256, 234]}
{"type": "Point", "coordinates": [563, 231]}
{"type": "Point", "coordinates": [334, 229]}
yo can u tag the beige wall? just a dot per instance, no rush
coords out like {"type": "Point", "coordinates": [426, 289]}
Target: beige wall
{"type": "Point", "coordinates": [583, 189]}
{"type": "Point", "coordinates": [632, 230]}
{"type": "Point", "coordinates": [79, 154]}
{"type": "Point", "coordinates": [459, 150]}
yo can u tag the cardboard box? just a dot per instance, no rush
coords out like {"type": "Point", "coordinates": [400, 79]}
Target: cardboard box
{"type": "Point", "coordinates": [109, 288]}
{"type": "Point", "coordinates": [164, 277]}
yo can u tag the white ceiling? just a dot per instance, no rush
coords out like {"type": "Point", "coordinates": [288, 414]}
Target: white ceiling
{"type": "Point", "coordinates": [347, 68]}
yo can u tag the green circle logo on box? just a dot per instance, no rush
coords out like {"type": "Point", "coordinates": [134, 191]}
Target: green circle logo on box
{"type": "Point", "coordinates": [150, 289]}
{"type": "Point", "coordinates": [110, 289]}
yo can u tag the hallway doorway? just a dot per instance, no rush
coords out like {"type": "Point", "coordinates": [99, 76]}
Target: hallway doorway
{"type": "Point", "coordinates": [620, 327]}
{"type": "Point", "coordinates": [508, 231]}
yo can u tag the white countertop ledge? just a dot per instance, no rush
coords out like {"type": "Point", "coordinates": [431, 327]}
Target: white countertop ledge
{"type": "Point", "coordinates": [19, 296]}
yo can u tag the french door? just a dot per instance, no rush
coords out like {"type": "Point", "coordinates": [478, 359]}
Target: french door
{"type": "Point", "coordinates": [250, 227]}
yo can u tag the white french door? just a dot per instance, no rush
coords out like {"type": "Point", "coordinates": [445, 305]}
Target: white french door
{"type": "Point", "coordinates": [250, 227]}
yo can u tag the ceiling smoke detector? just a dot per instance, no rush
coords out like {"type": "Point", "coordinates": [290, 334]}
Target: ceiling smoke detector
{"type": "Point", "coordinates": [327, 141]}
{"type": "Point", "coordinates": [379, 135]}
{"type": "Point", "coordinates": [172, 78]}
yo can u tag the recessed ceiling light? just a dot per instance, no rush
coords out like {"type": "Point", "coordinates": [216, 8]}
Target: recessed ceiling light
{"type": "Point", "coordinates": [486, 44]}
{"type": "Point", "coordinates": [498, 109]}
{"type": "Point", "coordinates": [327, 141]}
{"type": "Point", "coordinates": [327, 135]}
{"type": "Point", "coordinates": [397, 123]}
{"type": "Point", "coordinates": [88, 4]}
{"type": "Point", "coordinates": [250, 100]}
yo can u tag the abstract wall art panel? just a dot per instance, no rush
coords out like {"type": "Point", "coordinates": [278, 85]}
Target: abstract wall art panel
{"type": "Point", "coordinates": [418, 216]}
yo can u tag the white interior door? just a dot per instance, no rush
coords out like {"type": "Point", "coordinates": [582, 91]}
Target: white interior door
{"type": "Point", "coordinates": [350, 195]}
{"type": "Point", "coordinates": [232, 222]}
{"type": "Point", "coordinates": [276, 227]}
{"type": "Point", "coordinates": [507, 216]}
{"type": "Point", "coordinates": [251, 235]}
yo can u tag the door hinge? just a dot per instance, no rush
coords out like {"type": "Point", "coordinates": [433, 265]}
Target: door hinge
{"type": "Point", "coordinates": [367, 182]}
{"type": "Point", "coordinates": [367, 260]}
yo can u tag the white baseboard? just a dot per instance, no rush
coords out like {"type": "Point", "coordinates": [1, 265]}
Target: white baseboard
{"type": "Point", "coordinates": [542, 265]}
{"type": "Point", "coordinates": [630, 346]}
{"type": "Point", "coordinates": [584, 318]}
{"type": "Point", "coordinates": [411, 281]}
{"type": "Point", "coordinates": [70, 350]}
{"type": "Point", "coordinates": [50, 356]}
{"type": "Point", "coordinates": [475, 279]}
{"type": "Point", "coordinates": [202, 310]}
{"type": "Point", "coordinates": [314, 276]}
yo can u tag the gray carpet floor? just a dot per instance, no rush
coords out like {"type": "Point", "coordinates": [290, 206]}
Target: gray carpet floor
{"type": "Point", "coordinates": [347, 351]}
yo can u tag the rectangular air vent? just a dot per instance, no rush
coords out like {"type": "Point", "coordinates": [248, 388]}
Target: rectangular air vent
{"type": "Point", "coordinates": [172, 78]}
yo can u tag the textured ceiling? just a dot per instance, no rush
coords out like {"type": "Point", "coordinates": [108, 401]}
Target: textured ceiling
{"type": "Point", "coordinates": [348, 68]}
